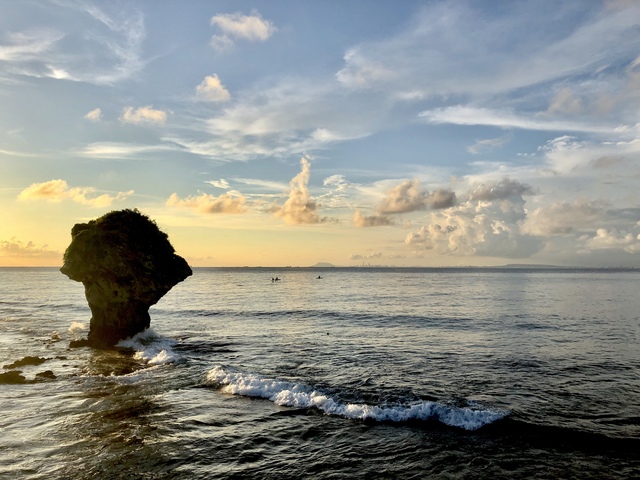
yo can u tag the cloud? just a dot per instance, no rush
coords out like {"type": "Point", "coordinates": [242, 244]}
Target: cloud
{"type": "Point", "coordinates": [115, 150]}
{"type": "Point", "coordinates": [360, 220]}
{"type": "Point", "coordinates": [501, 190]}
{"type": "Point", "coordinates": [222, 183]}
{"type": "Point", "coordinates": [19, 249]}
{"type": "Point", "coordinates": [560, 218]}
{"type": "Point", "coordinates": [469, 115]}
{"type": "Point", "coordinates": [212, 90]}
{"type": "Point", "coordinates": [30, 45]}
{"type": "Point", "coordinates": [103, 51]}
{"type": "Point", "coordinates": [482, 146]}
{"type": "Point", "coordinates": [143, 115]}
{"type": "Point", "coordinates": [565, 102]}
{"type": "Point", "coordinates": [237, 26]}
{"type": "Point", "coordinates": [230, 202]}
{"type": "Point", "coordinates": [361, 73]}
{"type": "Point", "coordinates": [94, 115]}
{"type": "Point", "coordinates": [58, 190]}
{"type": "Point", "coordinates": [613, 239]}
{"type": "Point", "coordinates": [409, 197]}
{"type": "Point", "coordinates": [486, 224]}
{"type": "Point", "coordinates": [300, 207]}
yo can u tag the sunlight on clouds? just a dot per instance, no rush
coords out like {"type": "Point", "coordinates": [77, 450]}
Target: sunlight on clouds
{"type": "Point", "coordinates": [377, 220]}
{"type": "Point", "coordinates": [237, 26]}
{"type": "Point", "coordinates": [300, 207]}
{"type": "Point", "coordinates": [145, 114]}
{"type": "Point", "coordinates": [230, 202]}
{"type": "Point", "coordinates": [120, 150]}
{"type": "Point", "coordinates": [212, 90]}
{"type": "Point", "coordinates": [58, 190]}
{"type": "Point", "coordinates": [486, 224]}
{"type": "Point", "coordinates": [94, 115]}
{"type": "Point", "coordinates": [222, 183]}
{"type": "Point", "coordinates": [467, 115]}
{"type": "Point", "coordinates": [18, 249]}
{"type": "Point", "coordinates": [612, 239]}
{"type": "Point", "coordinates": [408, 196]}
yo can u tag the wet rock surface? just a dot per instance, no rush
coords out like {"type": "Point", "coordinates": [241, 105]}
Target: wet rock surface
{"type": "Point", "coordinates": [126, 264]}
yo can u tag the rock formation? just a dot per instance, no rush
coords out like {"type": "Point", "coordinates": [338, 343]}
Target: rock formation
{"type": "Point", "coordinates": [126, 264]}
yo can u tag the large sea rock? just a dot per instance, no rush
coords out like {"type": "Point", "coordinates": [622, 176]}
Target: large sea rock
{"type": "Point", "coordinates": [126, 264]}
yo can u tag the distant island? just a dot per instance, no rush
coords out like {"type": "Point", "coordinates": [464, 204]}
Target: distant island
{"type": "Point", "coordinates": [323, 265]}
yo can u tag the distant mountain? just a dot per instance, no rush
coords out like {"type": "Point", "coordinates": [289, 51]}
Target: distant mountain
{"type": "Point", "coordinates": [323, 265]}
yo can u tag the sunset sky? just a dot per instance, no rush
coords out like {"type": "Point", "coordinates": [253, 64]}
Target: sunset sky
{"type": "Point", "coordinates": [412, 133]}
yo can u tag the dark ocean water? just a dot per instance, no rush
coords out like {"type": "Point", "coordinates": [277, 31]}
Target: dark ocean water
{"type": "Point", "coordinates": [363, 373]}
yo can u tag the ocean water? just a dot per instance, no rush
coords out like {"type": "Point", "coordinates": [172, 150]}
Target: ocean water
{"type": "Point", "coordinates": [364, 373]}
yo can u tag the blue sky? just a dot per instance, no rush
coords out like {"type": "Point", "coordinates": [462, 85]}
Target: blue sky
{"type": "Point", "coordinates": [289, 133]}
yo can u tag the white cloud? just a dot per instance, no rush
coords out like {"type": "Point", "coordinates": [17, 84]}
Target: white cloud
{"type": "Point", "coordinates": [222, 183]}
{"type": "Point", "coordinates": [468, 115]}
{"type": "Point", "coordinates": [94, 115]}
{"type": "Point", "coordinates": [58, 190]}
{"type": "Point", "coordinates": [145, 114]}
{"type": "Point", "coordinates": [487, 224]}
{"type": "Point", "coordinates": [115, 150]}
{"type": "Point", "coordinates": [212, 90]}
{"type": "Point", "coordinates": [613, 239]}
{"type": "Point", "coordinates": [237, 26]}
{"type": "Point", "coordinates": [75, 50]}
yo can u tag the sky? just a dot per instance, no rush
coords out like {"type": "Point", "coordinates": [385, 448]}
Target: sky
{"type": "Point", "coordinates": [413, 133]}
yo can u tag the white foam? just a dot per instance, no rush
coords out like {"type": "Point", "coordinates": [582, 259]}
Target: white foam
{"type": "Point", "coordinates": [301, 396]}
{"type": "Point", "coordinates": [151, 348]}
{"type": "Point", "coordinates": [77, 327]}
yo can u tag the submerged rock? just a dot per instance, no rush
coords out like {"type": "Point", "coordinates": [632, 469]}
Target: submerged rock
{"type": "Point", "coordinates": [12, 377]}
{"type": "Point", "coordinates": [126, 264]}
{"type": "Point", "coordinates": [28, 360]}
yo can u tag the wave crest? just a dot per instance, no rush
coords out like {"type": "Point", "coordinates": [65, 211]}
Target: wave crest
{"type": "Point", "coordinates": [302, 396]}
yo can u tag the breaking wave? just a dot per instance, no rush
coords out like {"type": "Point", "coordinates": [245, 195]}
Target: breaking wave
{"type": "Point", "coordinates": [302, 396]}
{"type": "Point", "coordinates": [151, 348]}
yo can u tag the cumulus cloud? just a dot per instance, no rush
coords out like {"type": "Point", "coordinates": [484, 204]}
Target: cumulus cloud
{"type": "Point", "coordinates": [230, 202]}
{"type": "Point", "coordinates": [605, 239]}
{"type": "Point", "coordinates": [409, 197]}
{"type": "Point", "coordinates": [563, 217]}
{"type": "Point", "coordinates": [504, 189]}
{"type": "Point", "coordinates": [145, 114]}
{"type": "Point", "coordinates": [19, 249]}
{"type": "Point", "coordinates": [212, 90]}
{"type": "Point", "coordinates": [360, 220]}
{"type": "Point", "coordinates": [237, 26]}
{"type": "Point", "coordinates": [58, 190]}
{"type": "Point", "coordinates": [94, 115]}
{"type": "Point", "coordinates": [300, 207]}
{"type": "Point", "coordinates": [486, 224]}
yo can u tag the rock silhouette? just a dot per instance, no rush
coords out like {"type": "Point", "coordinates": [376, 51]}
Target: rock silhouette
{"type": "Point", "coordinates": [126, 264]}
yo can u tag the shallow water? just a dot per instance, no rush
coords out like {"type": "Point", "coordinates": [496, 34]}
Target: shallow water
{"type": "Point", "coordinates": [365, 373]}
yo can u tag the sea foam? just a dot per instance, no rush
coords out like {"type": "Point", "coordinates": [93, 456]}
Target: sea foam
{"type": "Point", "coordinates": [302, 396]}
{"type": "Point", "coordinates": [151, 348]}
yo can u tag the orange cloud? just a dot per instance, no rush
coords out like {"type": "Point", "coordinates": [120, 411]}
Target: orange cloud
{"type": "Point", "coordinates": [58, 190]}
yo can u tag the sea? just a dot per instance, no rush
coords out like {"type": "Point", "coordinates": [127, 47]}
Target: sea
{"type": "Point", "coordinates": [329, 373]}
